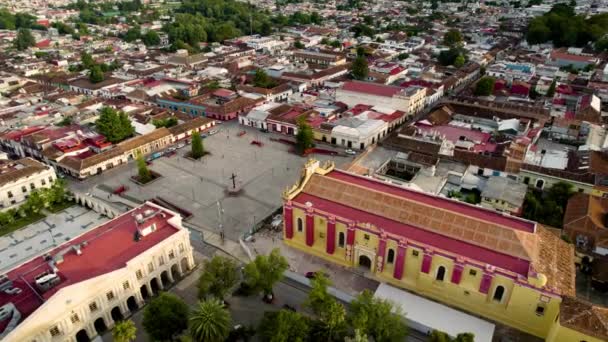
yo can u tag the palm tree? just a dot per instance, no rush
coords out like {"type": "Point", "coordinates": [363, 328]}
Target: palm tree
{"type": "Point", "coordinates": [210, 322]}
{"type": "Point", "coordinates": [124, 331]}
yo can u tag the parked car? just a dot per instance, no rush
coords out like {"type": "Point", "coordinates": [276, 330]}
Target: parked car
{"type": "Point", "coordinates": [181, 145]}
{"type": "Point", "coordinates": [351, 152]}
{"type": "Point", "coordinates": [313, 274]}
{"type": "Point", "coordinates": [213, 131]}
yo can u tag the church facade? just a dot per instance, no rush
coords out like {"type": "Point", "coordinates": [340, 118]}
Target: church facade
{"type": "Point", "coordinates": [500, 267]}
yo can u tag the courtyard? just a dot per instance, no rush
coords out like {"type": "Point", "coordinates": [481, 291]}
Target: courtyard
{"type": "Point", "coordinates": [200, 187]}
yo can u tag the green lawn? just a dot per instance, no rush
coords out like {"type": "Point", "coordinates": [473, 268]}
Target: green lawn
{"type": "Point", "coordinates": [21, 222]}
{"type": "Point", "coordinates": [59, 207]}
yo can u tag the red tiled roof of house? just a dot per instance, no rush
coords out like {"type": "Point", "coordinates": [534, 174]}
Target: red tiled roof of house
{"type": "Point", "coordinates": [371, 88]}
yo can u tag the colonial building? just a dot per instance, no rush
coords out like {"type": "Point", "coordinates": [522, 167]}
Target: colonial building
{"type": "Point", "coordinates": [500, 267]}
{"type": "Point", "coordinates": [81, 288]}
{"type": "Point", "coordinates": [20, 177]}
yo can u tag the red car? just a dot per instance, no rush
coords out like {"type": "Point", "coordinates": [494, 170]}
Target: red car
{"type": "Point", "coordinates": [257, 142]}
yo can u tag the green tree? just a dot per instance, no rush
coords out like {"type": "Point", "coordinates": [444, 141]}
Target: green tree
{"type": "Point", "coordinates": [465, 337]}
{"type": "Point", "coordinates": [551, 90]}
{"type": "Point", "coordinates": [403, 56]}
{"type": "Point", "coordinates": [359, 69]}
{"type": "Point", "coordinates": [165, 317]}
{"type": "Point", "coordinates": [24, 39]}
{"type": "Point", "coordinates": [114, 125]}
{"type": "Point", "coordinates": [144, 174]}
{"type": "Point", "coordinates": [298, 44]}
{"type": "Point", "coordinates": [151, 38]}
{"type": "Point", "coordinates": [124, 331]}
{"type": "Point", "coordinates": [197, 146]}
{"type": "Point", "coordinates": [264, 271]}
{"type": "Point", "coordinates": [132, 34]}
{"type": "Point", "coordinates": [57, 192]}
{"type": "Point", "coordinates": [485, 86]}
{"type": "Point", "coordinates": [7, 217]}
{"type": "Point", "coordinates": [377, 318]}
{"type": "Point", "coordinates": [210, 322]}
{"type": "Point", "coordinates": [439, 336]}
{"type": "Point", "coordinates": [459, 61]}
{"type": "Point", "coordinates": [87, 60]}
{"type": "Point", "coordinates": [452, 38]}
{"type": "Point", "coordinates": [331, 314]}
{"type": "Point", "coordinates": [262, 80]}
{"type": "Point", "coordinates": [282, 326]}
{"type": "Point", "coordinates": [96, 74]}
{"type": "Point", "coordinates": [304, 137]}
{"type": "Point", "coordinates": [220, 275]}
{"type": "Point", "coordinates": [35, 202]}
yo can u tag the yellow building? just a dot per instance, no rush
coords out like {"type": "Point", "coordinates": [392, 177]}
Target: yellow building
{"type": "Point", "coordinates": [497, 266]}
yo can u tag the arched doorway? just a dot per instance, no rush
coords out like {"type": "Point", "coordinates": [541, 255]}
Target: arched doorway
{"type": "Point", "coordinates": [175, 271]}
{"type": "Point", "coordinates": [144, 292]}
{"type": "Point", "coordinates": [164, 278]}
{"type": "Point", "coordinates": [185, 267]}
{"type": "Point", "coordinates": [365, 261]}
{"type": "Point", "coordinates": [155, 286]}
{"type": "Point", "coordinates": [100, 326]}
{"type": "Point", "coordinates": [132, 304]}
{"type": "Point", "coordinates": [82, 336]}
{"type": "Point", "coordinates": [116, 314]}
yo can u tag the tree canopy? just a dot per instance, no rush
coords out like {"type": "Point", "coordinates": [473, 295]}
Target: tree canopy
{"type": "Point", "coordinates": [548, 208]}
{"type": "Point", "coordinates": [165, 316]}
{"type": "Point", "coordinates": [262, 80]}
{"type": "Point", "coordinates": [114, 125]}
{"type": "Point", "coordinates": [304, 137]}
{"type": "Point", "coordinates": [453, 56]}
{"type": "Point", "coordinates": [266, 270]}
{"type": "Point", "coordinates": [359, 69]}
{"type": "Point", "coordinates": [220, 275]}
{"type": "Point", "coordinates": [124, 331]}
{"type": "Point", "coordinates": [283, 325]}
{"type": "Point", "coordinates": [485, 86]}
{"type": "Point", "coordinates": [216, 20]}
{"type": "Point", "coordinates": [210, 322]}
{"type": "Point", "coordinates": [198, 150]}
{"type": "Point", "coordinates": [377, 318]}
{"type": "Point", "coordinates": [563, 27]}
{"type": "Point", "coordinates": [24, 39]}
{"type": "Point", "coordinates": [144, 174]}
{"type": "Point", "coordinates": [331, 314]}
{"type": "Point", "coordinates": [452, 38]}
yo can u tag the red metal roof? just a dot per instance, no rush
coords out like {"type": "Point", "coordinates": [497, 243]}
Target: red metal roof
{"type": "Point", "coordinates": [109, 247]}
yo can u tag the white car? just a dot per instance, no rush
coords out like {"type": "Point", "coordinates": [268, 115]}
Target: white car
{"type": "Point", "coordinates": [213, 131]}
{"type": "Point", "coordinates": [351, 152]}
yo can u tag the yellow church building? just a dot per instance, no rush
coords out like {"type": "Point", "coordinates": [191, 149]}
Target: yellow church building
{"type": "Point", "coordinates": [503, 268]}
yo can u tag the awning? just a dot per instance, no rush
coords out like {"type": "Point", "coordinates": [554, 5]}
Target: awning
{"type": "Point", "coordinates": [425, 315]}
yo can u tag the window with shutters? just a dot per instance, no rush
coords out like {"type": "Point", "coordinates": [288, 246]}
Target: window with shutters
{"type": "Point", "coordinates": [126, 285]}
{"type": "Point", "coordinates": [139, 274]}
{"type": "Point", "coordinates": [110, 295]}
{"type": "Point", "coordinates": [93, 306]}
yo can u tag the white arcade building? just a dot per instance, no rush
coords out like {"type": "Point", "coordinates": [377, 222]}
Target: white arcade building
{"type": "Point", "coordinates": [79, 289]}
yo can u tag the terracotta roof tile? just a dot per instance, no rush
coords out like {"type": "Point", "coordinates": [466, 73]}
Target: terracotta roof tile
{"type": "Point", "coordinates": [584, 317]}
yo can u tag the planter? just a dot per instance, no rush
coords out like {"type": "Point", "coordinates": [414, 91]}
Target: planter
{"type": "Point", "coordinates": [155, 176]}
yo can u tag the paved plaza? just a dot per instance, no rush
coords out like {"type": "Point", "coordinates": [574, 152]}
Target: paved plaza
{"type": "Point", "coordinates": [198, 186]}
{"type": "Point", "coordinates": [45, 234]}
